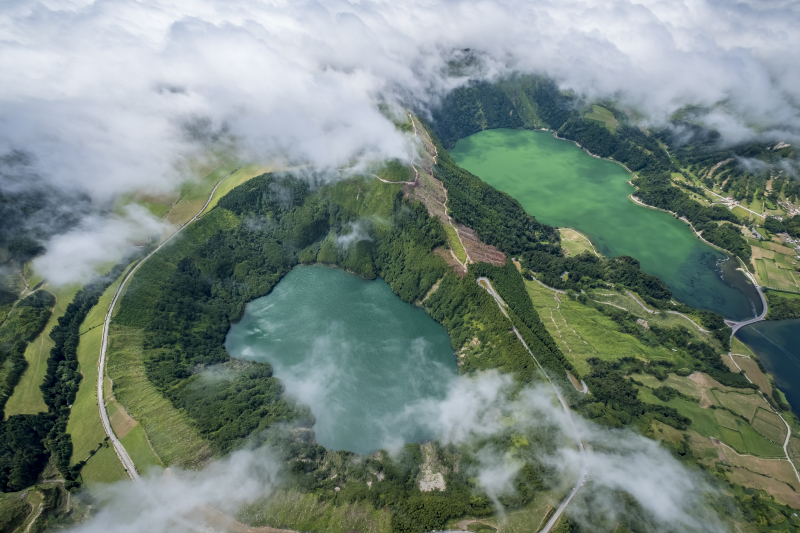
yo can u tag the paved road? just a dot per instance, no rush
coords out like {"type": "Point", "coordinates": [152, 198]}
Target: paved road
{"type": "Point", "coordinates": [736, 325]}
{"type": "Point", "coordinates": [486, 284]}
{"type": "Point", "coordinates": [120, 450]}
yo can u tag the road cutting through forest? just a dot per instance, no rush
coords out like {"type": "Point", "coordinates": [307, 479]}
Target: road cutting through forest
{"type": "Point", "coordinates": [487, 285]}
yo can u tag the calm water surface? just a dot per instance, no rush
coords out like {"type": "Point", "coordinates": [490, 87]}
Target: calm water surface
{"type": "Point", "coordinates": [562, 185]}
{"type": "Point", "coordinates": [354, 352]}
{"type": "Point", "coordinates": [777, 345]}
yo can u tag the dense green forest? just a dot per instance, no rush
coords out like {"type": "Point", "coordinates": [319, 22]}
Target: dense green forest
{"type": "Point", "coordinates": [464, 112]}
{"type": "Point", "coordinates": [782, 307]}
{"type": "Point", "coordinates": [788, 225]}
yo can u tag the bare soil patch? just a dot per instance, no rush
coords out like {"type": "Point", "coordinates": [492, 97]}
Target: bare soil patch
{"type": "Point", "coordinates": [477, 250]}
{"type": "Point", "coordinates": [121, 421]}
{"type": "Point", "coordinates": [448, 256]}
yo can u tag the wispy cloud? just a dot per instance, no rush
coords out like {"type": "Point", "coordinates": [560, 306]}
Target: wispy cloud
{"type": "Point", "coordinates": [110, 97]}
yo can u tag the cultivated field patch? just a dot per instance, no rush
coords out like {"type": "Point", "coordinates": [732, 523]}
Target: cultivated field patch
{"type": "Point", "coordinates": [27, 397]}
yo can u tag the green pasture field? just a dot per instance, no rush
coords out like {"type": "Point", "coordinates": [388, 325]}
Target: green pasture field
{"type": "Point", "coordinates": [27, 397]}
{"type": "Point", "coordinates": [139, 449]}
{"type": "Point", "coordinates": [583, 332]}
{"type": "Point", "coordinates": [84, 423]}
{"type": "Point", "coordinates": [103, 467]}
{"type": "Point", "coordinates": [781, 294]}
{"type": "Point", "coordinates": [603, 115]}
{"type": "Point", "coordinates": [455, 242]}
{"type": "Point", "coordinates": [720, 424]}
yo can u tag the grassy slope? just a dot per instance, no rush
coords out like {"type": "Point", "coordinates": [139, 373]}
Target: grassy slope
{"type": "Point", "coordinates": [604, 116]}
{"type": "Point", "coordinates": [194, 196]}
{"type": "Point", "coordinates": [27, 397]}
{"type": "Point", "coordinates": [582, 332]}
{"type": "Point", "coordinates": [84, 422]}
{"type": "Point", "coordinates": [174, 440]}
{"type": "Point", "coordinates": [304, 512]}
{"type": "Point", "coordinates": [455, 243]}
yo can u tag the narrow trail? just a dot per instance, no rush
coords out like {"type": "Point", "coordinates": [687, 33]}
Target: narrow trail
{"type": "Point", "coordinates": [788, 428]}
{"type": "Point", "coordinates": [653, 311]}
{"type": "Point", "coordinates": [559, 291]}
{"type": "Point", "coordinates": [119, 449]}
{"type": "Point", "coordinates": [434, 155]}
{"type": "Point", "coordinates": [487, 285]}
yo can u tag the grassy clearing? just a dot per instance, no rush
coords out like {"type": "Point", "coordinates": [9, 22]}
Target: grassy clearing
{"type": "Point", "coordinates": [138, 447]}
{"type": "Point", "coordinates": [583, 332]}
{"type": "Point", "coordinates": [604, 116]}
{"type": "Point", "coordinates": [287, 509]}
{"type": "Point", "coordinates": [242, 175]}
{"type": "Point", "coordinates": [739, 347]}
{"type": "Point", "coordinates": [575, 242]}
{"type": "Point", "coordinates": [27, 397]}
{"type": "Point", "coordinates": [455, 242]}
{"type": "Point", "coordinates": [173, 438]}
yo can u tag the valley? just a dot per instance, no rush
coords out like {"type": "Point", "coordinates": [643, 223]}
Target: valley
{"type": "Point", "coordinates": [329, 368]}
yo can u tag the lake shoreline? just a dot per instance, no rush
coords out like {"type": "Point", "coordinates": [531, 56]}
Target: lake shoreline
{"type": "Point", "coordinates": [557, 184]}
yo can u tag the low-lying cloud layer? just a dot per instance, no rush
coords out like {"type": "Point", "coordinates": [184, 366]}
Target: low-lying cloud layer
{"type": "Point", "coordinates": [671, 498]}
{"type": "Point", "coordinates": [111, 96]}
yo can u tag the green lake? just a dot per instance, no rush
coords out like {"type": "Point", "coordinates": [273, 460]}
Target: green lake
{"type": "Point", "coordinates": [352, 351]}
{"type": "Point", "coordinates": [561, 185]}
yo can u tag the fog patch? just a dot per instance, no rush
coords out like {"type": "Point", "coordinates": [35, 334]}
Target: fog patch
{"type": "Point", "coordinates": [672, 497]}
{"type": "Point", "coordinates": [179, 499]}
{"type": "Point", "coordinates": [356, 231]}
{"type": "Point", "coordinates": [97, 240]}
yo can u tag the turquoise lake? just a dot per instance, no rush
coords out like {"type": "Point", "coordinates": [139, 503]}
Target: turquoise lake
{"type": "Point", "coordinates": [351, 350]}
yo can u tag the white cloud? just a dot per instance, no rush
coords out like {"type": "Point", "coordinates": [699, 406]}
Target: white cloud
{"type": "Point", "coordinates": [98, 240]}
{"type": "Point", "coordinates": [100, 92]}
{"type": "Point", "coordinates": [176, 500]}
